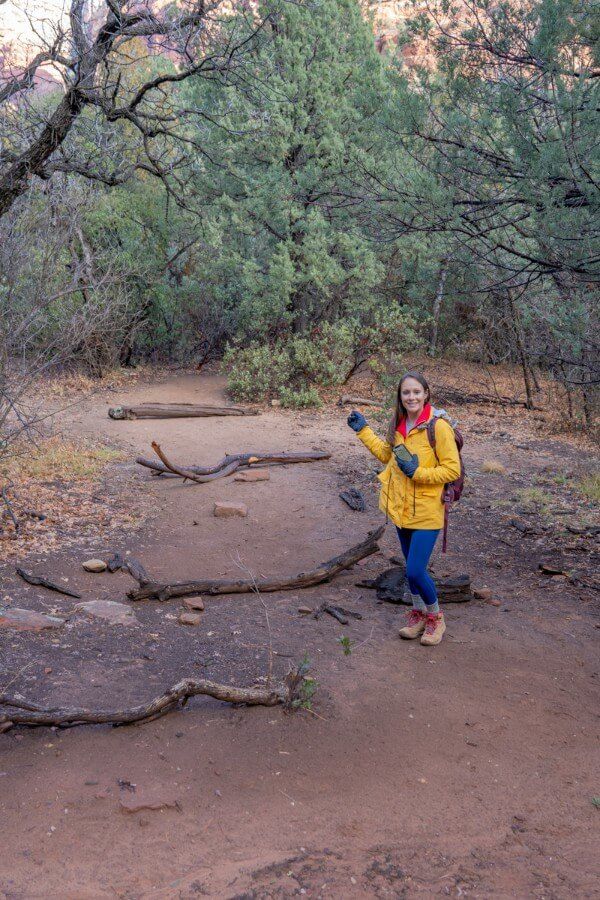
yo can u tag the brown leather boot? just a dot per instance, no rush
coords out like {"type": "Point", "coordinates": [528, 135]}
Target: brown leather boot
{"type": "Point", "coordinates": [434, 629]}
{"type": "Point", "coordinates": [414, 626]}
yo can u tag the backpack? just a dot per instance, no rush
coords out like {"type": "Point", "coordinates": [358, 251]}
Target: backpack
{"type": "Point", "coordinates": [453, 490]}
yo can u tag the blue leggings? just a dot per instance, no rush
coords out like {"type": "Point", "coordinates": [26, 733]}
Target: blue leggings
{"type": "Point", "coordinates": [417, 547]}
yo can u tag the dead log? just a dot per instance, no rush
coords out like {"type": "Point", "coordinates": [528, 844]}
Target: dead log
{"type": "Point", "coordinates": [231, 463]}
{"type": "Point", "coordinates": [357, 401]}
{"type": "Point", "coordinates": [325, 572]}
{"type": "Point", "coordinates": [177, 411]}
{"type": "Point", "coordinates": [21, 712]}
{"type": "Point", "coordinates": [40, 581]}
{"type": "Point", "coordinates": [391, 586]}
{"type": "Point", "coordinates": [131, 565]}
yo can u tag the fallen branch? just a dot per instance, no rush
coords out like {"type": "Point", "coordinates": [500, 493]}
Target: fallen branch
{"type": "Point", "coordinates": [40, 581]}
{"type": "Point", "coordinates": [177, 411]}
{"type": "Point", "coordinates": [22, 712]}
{"type": "Point", "coordinates": [229, 464]}
{"type": "Point", "coordinates": [131, 565]}
{"type": "Point", "coordinates": [357, 401]}
{"type": "Point", "coordinates": [338, 612]}
{"type": "Point", "coordinates": [325, 572]}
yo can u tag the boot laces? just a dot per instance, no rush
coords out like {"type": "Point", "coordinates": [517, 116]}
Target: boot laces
{"type": "Point", "coordinates": [415, 616]}
{"type": "Point", "coordinates": [432, 623]}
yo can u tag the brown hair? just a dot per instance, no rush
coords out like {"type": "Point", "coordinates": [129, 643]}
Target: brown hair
{"type": "Point", "coordinates": [399, 411]}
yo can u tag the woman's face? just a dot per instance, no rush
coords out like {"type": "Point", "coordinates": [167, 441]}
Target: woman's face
{"type": "Point", "coordinates": [413, 397]}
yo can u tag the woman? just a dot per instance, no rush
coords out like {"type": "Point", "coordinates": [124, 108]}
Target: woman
{"type": "Point", "coordinates": [411, 493]}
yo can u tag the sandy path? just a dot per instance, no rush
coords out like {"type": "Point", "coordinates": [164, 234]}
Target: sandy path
{"type": "Point", "coordinates": [467, 770]}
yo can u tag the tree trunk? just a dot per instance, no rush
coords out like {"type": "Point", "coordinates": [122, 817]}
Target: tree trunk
{"type": "Point", "coordinates": [520, 339]}
{"type": "Point", "coordinates": [437, 306]}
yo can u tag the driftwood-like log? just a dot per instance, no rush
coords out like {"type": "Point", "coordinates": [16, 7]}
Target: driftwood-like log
{"type": "Point", "coordinates": [40, 581]}
{"type": "Point", "coordinates": [230, 464]}
{"type": "Point", "coordinates": [177, 411]}
{"type": "Point", "coordinates": [357, 401]}
{"type": "Point", "coordinates": [325, 572]}
{"type": "Point", "coordinates": [21, 712]}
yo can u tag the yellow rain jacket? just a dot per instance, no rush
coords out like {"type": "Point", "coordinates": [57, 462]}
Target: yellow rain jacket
{"type": "Point", "coordinates": [416, 502]}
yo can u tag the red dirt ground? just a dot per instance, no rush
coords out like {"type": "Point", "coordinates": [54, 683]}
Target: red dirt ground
{"type": "Point", "coordinates": [466, 770]}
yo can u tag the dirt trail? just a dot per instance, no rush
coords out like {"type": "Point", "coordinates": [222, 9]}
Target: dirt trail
{"type": "Point", "coordinates": [463, 770]}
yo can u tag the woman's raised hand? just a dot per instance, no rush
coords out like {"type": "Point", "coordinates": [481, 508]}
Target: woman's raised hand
{"type": "Point", "coordinates": [356, 421]}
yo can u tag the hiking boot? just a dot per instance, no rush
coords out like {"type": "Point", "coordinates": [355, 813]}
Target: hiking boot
{"type": "Point", "coordinates": [415, 625]}
{"type": "Point", "coordinates": [434, 629]}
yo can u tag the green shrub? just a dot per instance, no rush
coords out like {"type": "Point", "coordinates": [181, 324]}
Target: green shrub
{"type": "Point", "coordinates": [289, 369]}
{"type": "Point", "coordinates": [300, 399]}
{"type": "Point", "coordinates": [254, 372]}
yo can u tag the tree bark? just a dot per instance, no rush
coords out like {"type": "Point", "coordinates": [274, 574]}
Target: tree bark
{"type": "Point", "coordinates": [437, 307]}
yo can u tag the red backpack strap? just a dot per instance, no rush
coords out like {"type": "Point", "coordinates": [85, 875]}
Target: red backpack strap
{"type": "Point", "coordinates": [431, 434]}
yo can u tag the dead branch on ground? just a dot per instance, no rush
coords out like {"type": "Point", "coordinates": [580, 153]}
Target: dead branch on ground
{"type": "Point", "coordinates": [177, 411]}
{"type": "Point", "coordinates": [228, 465]}
{"type": "Point", "coordinates": [19, 711]}
{"type": "Point", "coordinates": [325, 572]}
{"type": "Point", "coordinates": [357, 401]}
{"type": "Point", "coordinates": [40, 581]}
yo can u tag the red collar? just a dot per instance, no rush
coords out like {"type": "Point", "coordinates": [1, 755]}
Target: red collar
{"type": "Point", "coordinates": [424, 417]}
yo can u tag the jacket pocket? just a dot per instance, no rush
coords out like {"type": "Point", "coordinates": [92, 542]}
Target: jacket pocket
{"type": "Point", "coordinates": [427, 501]}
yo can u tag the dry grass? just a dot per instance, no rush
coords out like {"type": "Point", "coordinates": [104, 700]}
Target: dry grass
{"type": "Point", "coordinates": [75, 384]}
{"type": "Point", "coordinates": [59, 482]}
{"type": "Point", "coordinates": [57, 458]}
{"type": "Point", "coordinates": [590, 486]}
{"type": "Point", "coordinates": [493, 467]}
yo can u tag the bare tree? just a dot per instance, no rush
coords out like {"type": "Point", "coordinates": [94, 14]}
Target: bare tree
{"type": "Point", "coordinates": [98, 51]}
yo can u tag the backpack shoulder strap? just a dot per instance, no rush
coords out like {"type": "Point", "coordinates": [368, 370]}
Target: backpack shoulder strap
{"type": "Point", "coordinates": [431, 433]}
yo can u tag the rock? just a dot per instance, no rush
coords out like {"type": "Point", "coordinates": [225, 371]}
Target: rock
{"type": "Point", "coordinates": [113, 613]}
{"type": "Point", "coordinates": [189, 618]}
{"type": "Point", "coordinates": [193, 603]}
{"type": "Point", "coordinates": [305, 610]}
{"type": "Point", "coordinates": [95, 565]}
{"type": "Point", "coordinates": [549, 568]}
{"type": "Point", "coordinates": [276, 403]}
{"type": "Point", "coordinates": [482, 593]}
{"type": "Point", "coordinates": [253, 475]}
{"type": "Point", "coordinates": [28, 620]}
{"type": "Point", "coordinates": [133, 803]}
{"type": "Point", "coordinates": [354, 499]}
{"type": "Point", "coordinates": [493, 602]}
{"type": "Point", "coordinates": [226, 510]}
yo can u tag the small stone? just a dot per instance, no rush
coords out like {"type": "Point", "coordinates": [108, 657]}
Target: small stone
{"type": "Point", "coordinates": [482, 593]}
{"type": "Point", "coordinates": [253, 475]}
{"type": "Point", "coordinates": [27, 620]}
{"type": "Point", "coordinates": [189, 618]}
{"type": "Point", "coordinates": [493, 602]}
{"type": "Point", "coordinates": [114, 613]}
{"type": "Point", "coordinates": [95, 565]}
{"type": "Point", "coordinates": [194, 603]}
{"type": "Point", "coordinates": [47, 670]}
{"type": "Point", "coordinates": [275, 403]}
{"type": "Point", "coordinates": [305, 610]}
{"type": "Point", "coordinates": [226, 510]}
